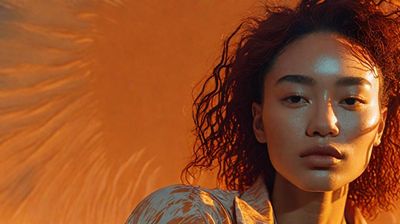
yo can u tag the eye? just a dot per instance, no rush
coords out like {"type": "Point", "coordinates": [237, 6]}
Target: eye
{"type": "Point", "coordinates": [353, 101]}
{"type": "Point", "coordinates": [294, 99]}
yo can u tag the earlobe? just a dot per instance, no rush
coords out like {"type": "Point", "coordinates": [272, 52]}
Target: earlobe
{"type": "Point", "coordinates": [258, 126]}
{"type": "Point", "coordinates": [381, 127]}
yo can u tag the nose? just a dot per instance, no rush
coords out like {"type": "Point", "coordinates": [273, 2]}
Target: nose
{"type": "Point", "coordinates": [323, 121]}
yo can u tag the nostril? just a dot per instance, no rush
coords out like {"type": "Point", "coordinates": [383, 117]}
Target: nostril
{"type": "Point", "coordinates": [323, 131]}
{"type": "Point", "coordinates": [323, 127]}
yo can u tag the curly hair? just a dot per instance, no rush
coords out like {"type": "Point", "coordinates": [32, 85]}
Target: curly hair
{"type": "Point", "coordinates": [222, 110]}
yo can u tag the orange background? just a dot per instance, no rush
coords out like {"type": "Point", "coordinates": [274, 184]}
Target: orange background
{"type": "Point", "coordinates": [95, 101]}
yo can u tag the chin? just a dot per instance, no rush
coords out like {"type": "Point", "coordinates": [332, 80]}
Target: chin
{"type": "Point", "coordinates": [317, 188]}
{"type": "Point", "coordinates": [319, 183]}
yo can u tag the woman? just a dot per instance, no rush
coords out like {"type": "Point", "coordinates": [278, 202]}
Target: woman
{"type": "Point", "coordinates": [302, 119]}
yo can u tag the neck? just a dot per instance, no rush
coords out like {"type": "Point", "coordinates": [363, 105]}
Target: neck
{"type": "Point", "coordinates": [293, 205]}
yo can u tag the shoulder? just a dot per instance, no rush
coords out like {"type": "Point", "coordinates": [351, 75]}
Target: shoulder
{"type": "Point", "coordinates": [183, 204]}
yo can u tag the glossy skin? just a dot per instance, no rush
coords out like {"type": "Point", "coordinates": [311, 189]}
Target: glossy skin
{"type": "Point", "coordinates": [295, 116]}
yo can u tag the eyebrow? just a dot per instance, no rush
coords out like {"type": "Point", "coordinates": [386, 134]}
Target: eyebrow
{"type": "Point", "coordinates": [308, 81]}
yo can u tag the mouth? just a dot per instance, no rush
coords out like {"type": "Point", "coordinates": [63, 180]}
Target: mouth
{"type": "Point", "coordinates": [322, 157]}
{"type": "Point", "coordinates": [327, 150]}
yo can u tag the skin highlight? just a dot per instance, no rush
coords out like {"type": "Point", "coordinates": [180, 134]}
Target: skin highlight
{"type": "Point", "coordinates": [317, 110]}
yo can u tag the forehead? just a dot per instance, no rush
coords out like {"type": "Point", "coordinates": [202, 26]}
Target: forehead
{"type": "Point", "coordinates": [325, 57]}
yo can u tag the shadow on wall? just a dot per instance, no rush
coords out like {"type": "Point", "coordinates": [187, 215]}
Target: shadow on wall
{"type": "Point", "coordinates": [95, 101]}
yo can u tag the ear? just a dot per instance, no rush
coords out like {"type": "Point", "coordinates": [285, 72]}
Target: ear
{"type": "Point", "coordinates": [381, 127]}
{"type": "Point", "coordinates": [258, 126]}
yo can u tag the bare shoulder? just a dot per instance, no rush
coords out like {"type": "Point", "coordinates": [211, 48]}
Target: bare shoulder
{"type": "Point", "coordinates": [180, 204]}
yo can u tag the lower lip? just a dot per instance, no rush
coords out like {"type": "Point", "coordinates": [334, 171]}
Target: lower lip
{"type": "Point", "coordinates": [321, 161]}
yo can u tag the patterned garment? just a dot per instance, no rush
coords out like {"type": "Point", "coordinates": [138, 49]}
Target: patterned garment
{"type": "Point", "coordinates": [193, 204]}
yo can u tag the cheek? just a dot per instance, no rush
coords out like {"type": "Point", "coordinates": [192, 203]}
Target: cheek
{"type": "Point", "coordinates": [358, 131]}
{"type": "Point", "coordinates": [355, 125]}
{"type": "Point", "coordinates": [284, 128]}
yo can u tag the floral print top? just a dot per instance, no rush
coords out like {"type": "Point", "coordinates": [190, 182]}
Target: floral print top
{"type": "Point", "coordinates": [193, 204]}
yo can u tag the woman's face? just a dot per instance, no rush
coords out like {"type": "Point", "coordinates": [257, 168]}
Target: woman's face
{"type": "Point", "coordinates": [319, 95]}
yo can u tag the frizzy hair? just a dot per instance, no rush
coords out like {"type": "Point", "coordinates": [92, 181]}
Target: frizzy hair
{"type": "Point", "coordinates": [222, 109]}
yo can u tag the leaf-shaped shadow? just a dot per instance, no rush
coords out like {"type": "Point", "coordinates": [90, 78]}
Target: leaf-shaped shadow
{"type": "Point", "coordinates": [54, 158]}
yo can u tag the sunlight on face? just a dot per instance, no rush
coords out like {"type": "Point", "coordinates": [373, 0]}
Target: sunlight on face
{"type": "Point", "coordinates": [327, 65]}
{"type": "Point", "coordinates": [319, 94]}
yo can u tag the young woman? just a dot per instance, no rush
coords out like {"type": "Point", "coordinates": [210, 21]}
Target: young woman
{"type": "Point", "coordinates": [302, 119]}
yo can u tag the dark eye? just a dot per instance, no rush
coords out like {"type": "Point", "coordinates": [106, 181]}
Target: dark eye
{"type": "Point", "coordinates": [294, 99]}
{"type": "Point", "coordinates": [352, 101]}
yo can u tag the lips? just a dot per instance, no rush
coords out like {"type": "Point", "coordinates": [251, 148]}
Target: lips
{"type": "Point", "coordinates": [322, 151]}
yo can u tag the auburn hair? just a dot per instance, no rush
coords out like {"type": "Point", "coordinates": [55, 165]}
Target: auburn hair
{"type": "Point", "coordinates": [222, 109]}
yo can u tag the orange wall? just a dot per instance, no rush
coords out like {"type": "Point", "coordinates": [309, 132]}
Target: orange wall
{"type": "Point", "coordinates": [95, 101]}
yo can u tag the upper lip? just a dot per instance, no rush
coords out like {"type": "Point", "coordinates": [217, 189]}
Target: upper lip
{"type": "Point", "coordinates": [326, 150]}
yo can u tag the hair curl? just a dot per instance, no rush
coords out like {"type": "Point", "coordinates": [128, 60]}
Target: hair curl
{"type": "Point", "coordinates": [222, 109]}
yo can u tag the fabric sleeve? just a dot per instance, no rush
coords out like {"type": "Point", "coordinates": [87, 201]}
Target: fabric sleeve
{"type": "Point", "coordinates": [177, 204]}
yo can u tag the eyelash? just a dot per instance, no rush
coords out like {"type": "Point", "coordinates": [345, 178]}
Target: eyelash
{"type": "Point", "coordinates": [291, 97]}
{"type": "Point", "coordinates": [359, 100]}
